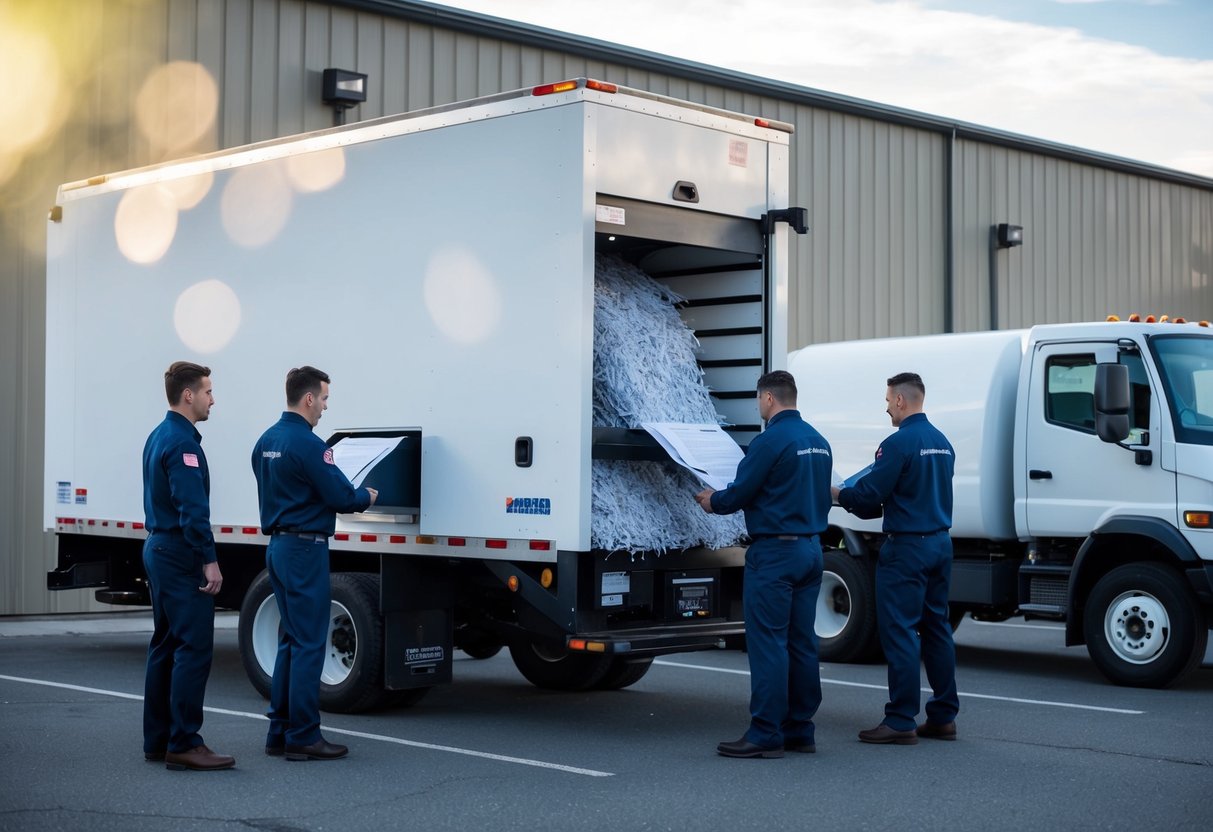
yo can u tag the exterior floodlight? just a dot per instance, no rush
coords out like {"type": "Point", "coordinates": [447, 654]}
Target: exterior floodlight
{"type": "Point", "coordinates": [342, 89]}
{"type": "Point", "coordinates": [1009, 235]}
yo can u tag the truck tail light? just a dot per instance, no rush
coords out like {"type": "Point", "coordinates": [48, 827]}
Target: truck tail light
{"type": "Point", "coordinates": [550, 89]}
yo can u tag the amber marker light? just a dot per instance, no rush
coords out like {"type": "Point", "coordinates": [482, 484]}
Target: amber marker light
{"type": "Point", "coordinates": [512, 583]}
{"type": "Point", "coordinates": [549, 89]}
{"type": "Point", "coordinates": [1198, 519]}
{"type": "Point", "coordinates": [601, 86]}
{"type": "Point", "coordinates": [546, 577]}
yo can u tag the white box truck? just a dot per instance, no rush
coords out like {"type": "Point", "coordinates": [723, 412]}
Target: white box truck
{"type": "Point", "coordinates": [439, 265]}
{"type": "Point", "coordinates": [1083, 485]}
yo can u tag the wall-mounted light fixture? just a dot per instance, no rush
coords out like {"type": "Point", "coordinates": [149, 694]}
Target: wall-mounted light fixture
{"type": "Point", "coordinates": [1003, 235]}
{"type": "Point", "coordinates": [342, 89]}
{"type": "Point", "coordinates": [1009, 235]}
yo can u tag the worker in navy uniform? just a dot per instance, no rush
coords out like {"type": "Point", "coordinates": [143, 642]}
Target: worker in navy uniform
{"type": "Point", "coordinates": [911, 479]}
{"type": "Point", "coordinates": [783, 486]}
{"type": "Point", "coordinates": [300, 491]}
{"type": "Point", "coordinates": [183, 576]}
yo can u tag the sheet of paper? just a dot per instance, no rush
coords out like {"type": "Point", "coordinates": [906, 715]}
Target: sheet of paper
{"type": "Point", "coordinates": [357, 455]}
{"type": "Point", "coordinates": [705, 450]}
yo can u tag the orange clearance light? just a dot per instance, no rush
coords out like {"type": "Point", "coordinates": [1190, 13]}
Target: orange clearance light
{"type": "Point", "coordinates": [512, 583]}
{"type": "Point", "coordinates": [601, 86]}
{"type": "Point", "coordinates": [546, 577]}
{"type": "Point", "coordinates": [1203, 323]}
{"type": "Point", "coordinates": [1150, 319]}
{"type": "Point", "coordinates": [1180, 320]}
{"type": "Point", "coordinates": [425, 538]}
{"type": "Point", "coordinates": [1198, 519]}
{"type": "Point", "coordinates": [762, 122]}
{"type": "Point", "coordinates": [576, 644]}
{"type": "Point", "coordinates": [550, 89]}
{"type": "Point", "coordinates": [1135, 318]}
{"type": "Point", "coordinates": [595, 647]}
{"type": "Point", "coordinates": [1112, 319]}
{"type": "Point", "coordinates": [1162, 319]}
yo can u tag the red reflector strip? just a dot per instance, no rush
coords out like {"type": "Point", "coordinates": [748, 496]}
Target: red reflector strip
{"type": "Point", "coordinates": [121, 524]}
{"type": "Point", "coordinates": [762, 122]}
{"type": "Point", "coordinates": [456, 541]}
{"type": "Point", "coordinates": [560, 86]}
{"type": "Point", "coordinates": [601, 86]}
{"type": "Point", "coordinates": [541, 545]}
{"type": "Point", "coordinates": [225, 530]}
{"type": "Point", "coordinates": [341, 536]}
{"type": "Point", "coordinates": [67, 520]}
{"type": "Point", "coordinates": [250, 529]}
{"type": "Point", "coordinates": [92, 522]}
{"type": "Point", "coordinates": [136, 525]}
{"type": "Point", "coordinates": [495, 544]}
{"type": "Point", "coordinates": [369, 538]}
{"type": "Point", "coordinates": [576, 644]}
{"type": "Point", "coordinates": [397, 538]}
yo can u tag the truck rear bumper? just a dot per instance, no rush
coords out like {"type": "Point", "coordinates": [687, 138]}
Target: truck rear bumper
{"type": "Point", "coordinates": [655, 641]}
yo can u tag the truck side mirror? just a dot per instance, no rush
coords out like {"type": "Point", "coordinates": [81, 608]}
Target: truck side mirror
{"type": "Point", "coordinates": [1112, 402]}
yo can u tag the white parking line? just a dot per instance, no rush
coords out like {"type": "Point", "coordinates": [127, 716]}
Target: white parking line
{"type": "Point", "coordinates": [926, 690]}
{"type": "Point", "coordinates": [467, 752]}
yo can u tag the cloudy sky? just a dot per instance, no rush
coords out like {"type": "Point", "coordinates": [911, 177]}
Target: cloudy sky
{"type": "Point", "coordinates": [1133, 78]}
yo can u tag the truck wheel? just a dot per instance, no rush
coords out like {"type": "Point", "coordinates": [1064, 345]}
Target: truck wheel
{"type": "Point", "coordinates": [556, 668]}
{"type": "Point", "coordinates": [624, 672]}
{"type": "Point", "coordinates": [1143, 626]}
{"type": "Point", "coordinates": [351, 679]}
{"type": "Point", "coordinates": [846, 610]}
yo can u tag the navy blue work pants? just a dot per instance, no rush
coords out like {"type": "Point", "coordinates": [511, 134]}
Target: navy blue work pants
{"type": "Point", "coordinates": [782, 580]}
{"type": "Point", "coordinates": [183, 641]}
{"type": "Point", "coordinates": [299, 573]}
{"type": "Point", "coordinates": [912, 578]}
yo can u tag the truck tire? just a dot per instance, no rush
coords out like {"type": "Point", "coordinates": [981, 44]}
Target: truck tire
{"type": "Point", "coordinates": [557, 668]}
{"type": "Point", "coordinates": [624, 672]}
{"type": "Point", "coordinates": [352, 676]}
{"type": "Point", "coordinates": [1144, 627]}
{"type": "Point", "coordinates": [846, 610]}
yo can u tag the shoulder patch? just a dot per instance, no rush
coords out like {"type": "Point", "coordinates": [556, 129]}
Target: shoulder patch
{"type": "Point", "coordinates": [191, 460]}
{"type": "Point", "coordinates": [879, 451]}
{"type": "Point", "coordinates": [328, 456]}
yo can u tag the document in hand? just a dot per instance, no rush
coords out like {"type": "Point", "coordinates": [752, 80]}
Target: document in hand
{"type": "Point", "coordinates": [705, 450]}
{"type": "Point", "coordinates": [357, 455]}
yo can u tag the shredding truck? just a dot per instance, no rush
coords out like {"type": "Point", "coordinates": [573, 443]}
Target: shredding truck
{"type": "Point", "coordinates": [1083, 484]}
{"type": "Point", "coordinates": [439, 265]}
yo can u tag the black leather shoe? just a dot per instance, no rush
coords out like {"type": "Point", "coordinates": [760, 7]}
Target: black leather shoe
{"type": "Point", "coordinates": [801, 746]}
{"type": "Point", "coordinates": [154, 756]}
{"type": "Point", "coordinates": [275, 750]}
{"type": "Point", "coordinates": [745, 748]}
{"type": "Point", "coordinates": [319, 750]}
{"type": "Point", "coordinates": [884, 735]}
{"type": "Point", "coordinates": [198, 758]}
{"type": "Point", "coordinates": [932, 731]}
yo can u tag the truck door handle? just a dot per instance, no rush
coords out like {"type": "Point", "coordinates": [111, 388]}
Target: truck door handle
{"type": "Point", "coordinates": [1037, 474]}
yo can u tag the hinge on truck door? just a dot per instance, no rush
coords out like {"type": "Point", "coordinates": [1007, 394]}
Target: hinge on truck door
{"type": "Point", "coordinates": [797, 218]}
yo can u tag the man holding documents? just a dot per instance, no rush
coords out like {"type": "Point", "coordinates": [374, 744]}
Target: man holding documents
{"type": "Point", "coordinates": [783, 486]}
{"type": "Point", "coordinates": [300, 491]}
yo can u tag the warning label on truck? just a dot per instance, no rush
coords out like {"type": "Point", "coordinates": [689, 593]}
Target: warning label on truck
{"type": "Point", "coordinates": [528, 505]}
{"type": "Point", "coordinates": [423, 655]}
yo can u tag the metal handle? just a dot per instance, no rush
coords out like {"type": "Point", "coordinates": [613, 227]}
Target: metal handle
{"type": "Point", "coordinates": [1037, 474]}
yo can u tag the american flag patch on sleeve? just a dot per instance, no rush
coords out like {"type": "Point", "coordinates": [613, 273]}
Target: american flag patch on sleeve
{"type": "Point", "coordinates": [328, 456]}
{"type": "Point", "coordinates": [191, 460]}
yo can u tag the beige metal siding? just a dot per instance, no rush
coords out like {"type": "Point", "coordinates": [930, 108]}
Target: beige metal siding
{"type": "Point", "coordinates": [1096, 241]}
{"type": "Point", "coordinates": [874, 263]}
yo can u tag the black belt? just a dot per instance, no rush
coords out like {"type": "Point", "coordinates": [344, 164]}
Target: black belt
{"type": "Point", "coordinates": [917, 534]}
{"type": "Point", "coordinates": [316, 537]}
{"type": "Point", "coordinates": [782, 536]}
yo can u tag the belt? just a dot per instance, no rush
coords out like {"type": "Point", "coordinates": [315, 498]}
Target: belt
{"type": "Point", "coordinates": [782, 536]}
{"type": "Point", "coordinates": [315, 537]}
{"type": "Point", "coordinates": [917, 534]}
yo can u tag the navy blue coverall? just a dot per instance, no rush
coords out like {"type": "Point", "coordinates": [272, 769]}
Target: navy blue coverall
{"type": "Point", "coordinates": [300, 491]}
{"type": "Point", "coordinates": [177, 515]}
{"type": "Point", "coordinates": [783, 486]}
{"type": "Point", "coordinates": [912, 479]}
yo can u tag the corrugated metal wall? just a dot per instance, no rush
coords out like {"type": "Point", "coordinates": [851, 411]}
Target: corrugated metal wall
{"type": "Point", "coordinates": [1096, 242]}
{"type": "Point", "coordinates": [873, 265]}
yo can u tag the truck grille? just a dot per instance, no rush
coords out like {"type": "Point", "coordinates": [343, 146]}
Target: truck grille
{"type": "Point", "coordinates": [1049, 591]}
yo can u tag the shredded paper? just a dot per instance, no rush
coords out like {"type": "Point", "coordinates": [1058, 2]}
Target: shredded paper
{"type": "Point", "coordinates": [645, 371]}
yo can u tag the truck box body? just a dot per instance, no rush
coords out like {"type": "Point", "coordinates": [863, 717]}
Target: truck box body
{"type": "Point", "coordinates": [440, 266]}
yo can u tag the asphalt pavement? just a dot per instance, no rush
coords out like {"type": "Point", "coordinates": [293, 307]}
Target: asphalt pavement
{"type": "Point", "coordinates": [1045, 743]}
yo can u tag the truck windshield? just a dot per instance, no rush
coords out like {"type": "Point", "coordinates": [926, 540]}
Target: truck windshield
{"type": "Point", "coordinates": [1186, 365]}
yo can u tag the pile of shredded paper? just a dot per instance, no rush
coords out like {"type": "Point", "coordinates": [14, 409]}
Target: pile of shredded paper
{"type": "Point", "coordinates": [645, 371]}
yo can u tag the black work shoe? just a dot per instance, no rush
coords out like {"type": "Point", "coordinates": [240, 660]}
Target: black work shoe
{"type": "Point", "coordinates": [154, 756]}
{"type": "Point", "coordinates": [801, 746]}
{"type": "Point", "coordinates": [198, 758]}
{"type": "Point", "coordinates": [933, 731]}
{"type": "Point", "coordinates": [275, 750]}
{"type": "Point", "coordinates": [745, 748]}
{"type": "Point", "coordinates": [319, 750]}
{"type": "Point", "coordinates": [884, 735]}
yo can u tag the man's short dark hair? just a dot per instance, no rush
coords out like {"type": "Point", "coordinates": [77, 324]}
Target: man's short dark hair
{"type": "Point", "coordinates": [909, 380]}
{"type": "Point", "coordinates": [781, 384]}
{"type": "Point", "coordinates": [181, 375]}
{"type": "Point", "coordinates": [303, 380]}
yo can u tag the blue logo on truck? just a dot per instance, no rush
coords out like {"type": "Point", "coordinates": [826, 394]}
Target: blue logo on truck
{"type": "Point", "coordinates": [528, 505]}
